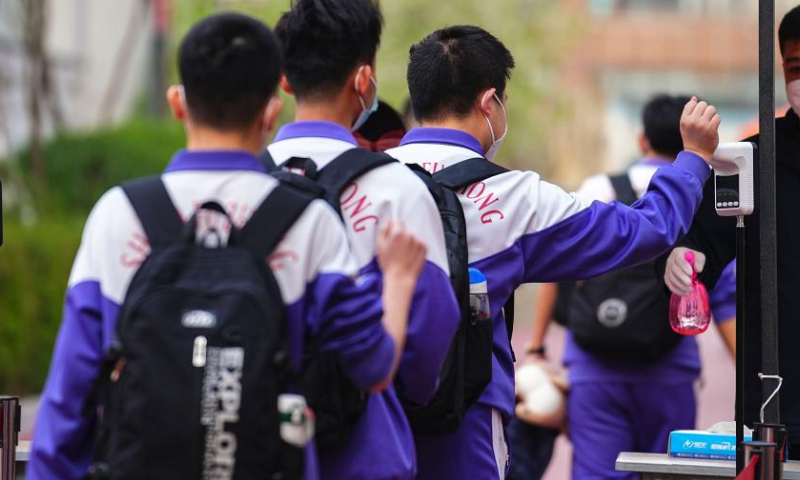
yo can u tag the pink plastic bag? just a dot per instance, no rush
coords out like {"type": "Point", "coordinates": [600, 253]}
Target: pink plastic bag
{"type": "Point", "coordinates": [690, 315]}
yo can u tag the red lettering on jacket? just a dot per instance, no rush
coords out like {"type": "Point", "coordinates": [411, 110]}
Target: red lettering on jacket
{"type": "Point", "coordinates": [433, 167]}
{"type": "Point", "coordinates": [357, 207]}
{"type": "Point", "coordinates": [475, 190]}
{"type": "Point", "coordinates": [488, 199]}
{"type": "Point", "coordinates": [359, 225]}
{"type": "Point", "coordinates": [479, 196]}
{"type": "Point", "coordinates": [280, 259]}
{"type": "Point", "coordinates": [138, 249]}
{"type": "Point", "coordinates": [487, 217]}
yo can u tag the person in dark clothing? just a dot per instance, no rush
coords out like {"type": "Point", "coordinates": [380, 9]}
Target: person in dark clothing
{"type": "Point", "coordinates": [383, 129]}
{"type": "Point", "coordinates": [714, 237]}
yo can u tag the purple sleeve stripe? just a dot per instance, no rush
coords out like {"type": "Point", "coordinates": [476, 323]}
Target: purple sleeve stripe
{"type": "Point", "coordinates": [693, 164]}
{"type": "Point", "coordinates": [611, 236]}
{"type": "Point", "coordinates": [724, 313]}
{"type": "Point", "coordinates": [377, 367]}
{"type": "Point", "coordinates": [435, 316]}
{"type": "Point", "coordinates": [346, 317]}
{"type": "Point", "coordinates": [723, 296]}
{"type": "Point", "coordinates": [62, 435]}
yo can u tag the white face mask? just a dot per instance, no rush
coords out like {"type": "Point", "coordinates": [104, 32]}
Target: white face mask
{"type": "Point", "coordinates": [365, 112]}
{"type": "Point", "coordinates": [496, 142]}
{"type": "Point", "coordinates": [793, 95]}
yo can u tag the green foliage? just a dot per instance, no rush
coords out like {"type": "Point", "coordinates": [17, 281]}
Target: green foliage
{"type": "Point", "coordinates": [39, 249]}
{"type": "Point", "coordinates": [538, 33]}
{"type": "Point", "coordinates": [44, 221]}
{"type": "Point", "coordinates": [82, 166]}
{"type": "Point", "coordinates": [34, 267]}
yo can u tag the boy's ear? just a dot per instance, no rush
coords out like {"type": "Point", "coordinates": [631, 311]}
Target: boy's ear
{"type": "Point", "coordinates": [271, 113]}
{"type": "Point", "coordinates": [284, 84]}
{"type": "Point", "coordinates": [484, 100]}
{"type": "Point", "coordinates": [177, 102]}
{"type": "Point", "coordinates": [362, 80]}
{"type": "Point", "coordinates": [644, 144]}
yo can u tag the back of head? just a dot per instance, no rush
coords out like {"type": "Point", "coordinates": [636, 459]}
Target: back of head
{"type": "Point", "coordinates": [230, 65]}
{"type": "Point", "coordinates": [450, 67]}
{"type": "Point", "coordinates": [323, 41]}
{"type": "Point", "coordinates": [662, 124]}
{"type": "Point", "coordinates": [789, 29]}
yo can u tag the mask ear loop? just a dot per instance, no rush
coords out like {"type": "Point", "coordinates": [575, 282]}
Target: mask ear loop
{"type": "Point", "coordinates": [505, 114]}
{"type": "Point", "coordinates": [488, 122]}
{"type": "Point", "coordinates": [355, 87]}
{"type": "Point", "coordinates": [774, 393]}
{"type": "Point", "coordinates": [182, 93]}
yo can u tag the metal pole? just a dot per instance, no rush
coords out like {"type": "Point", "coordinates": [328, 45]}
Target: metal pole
{"type": "Point", "coordinates": [765, 470]}
{"type": "Point", "coordinates": [9, 436]}
{"type": "Point", "coordinates": [778, 435]}
{"type": "Point", "coordinates": [766, 465]}
{"type": "Point", "coordinates": [766, 208]}
{"type": "Point", "coordinates": [740, 335]}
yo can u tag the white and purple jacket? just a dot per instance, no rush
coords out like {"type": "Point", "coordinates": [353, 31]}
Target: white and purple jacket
{"type": "Point", "coordinates": [521, 229]}
{"type": "Point", "coordinates": [382, 447]}
{"type": "Point", "coordinates": [312, 264]}
{"type": "Point", "coordinates": [682, 364]}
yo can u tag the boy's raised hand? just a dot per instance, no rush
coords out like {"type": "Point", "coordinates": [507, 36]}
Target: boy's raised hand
{"type": "Point", "coordinates": [700, 128]}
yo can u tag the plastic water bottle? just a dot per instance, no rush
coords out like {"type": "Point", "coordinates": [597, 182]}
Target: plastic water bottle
{"type": "Point", "coordinates": [479, 297]}
{"type": "Point", "coordinates": [690, 315]}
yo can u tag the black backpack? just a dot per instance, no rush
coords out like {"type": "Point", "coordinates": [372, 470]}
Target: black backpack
{"type": "Point", "coordinates": [468, 366]}
{"type": "Point", "coordinates": [622, 315]}
{"type": "Point", "coordinates": [336, 401]}
{"type": "Point", "coordinates": [190, 389]}
{"type": "Point", "coordinates": [330, 181]}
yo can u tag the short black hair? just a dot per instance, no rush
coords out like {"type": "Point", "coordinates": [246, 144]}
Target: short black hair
{"type": "Point", "coordinates": [230, 65]}
{"type": "Point", "coordinates": [385, 119]}
{"type": "Point", "coordinates": [324, 40]}
{"type": "Point", "coordinates": [789, 28]}
{"type": "Point", "coordinates": [661, 117]}
{"type": "Point", "coordinates": [450, 67]}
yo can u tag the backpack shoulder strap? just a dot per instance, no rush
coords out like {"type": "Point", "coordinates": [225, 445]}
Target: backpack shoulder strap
{"type": "Point", "coordinates": [508, 314]}
{"type": "Point", "coordinates": [299, 182]}
{"type": "Point", "coordinates": [624, 188]}
{"type": "Point", "coordinates": [467, 172]}
{"type": "Point", "coordinates": [151, 202]}
{"type": "Point", "coordinates": [273, 218]}
{"type": "Point", "coordinates": [345, 168]}
{"type": "Point", "coordinates": [434, 188]}
{"type": "Point", "coordinates": [266, 160]}
{"type": "Point", "coordinates": [299, 173]}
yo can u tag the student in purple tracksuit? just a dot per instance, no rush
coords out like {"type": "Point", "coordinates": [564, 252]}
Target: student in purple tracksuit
{"type": "Point", "coordinates": [230, 67]}
{"type": "Point", "coordinates": [616, 406]}
{"type": "Point", "coordinates": [723, 306]}
{"type": "Point", "coordinates": [521, 229]}
{"type": "Point", "coordinates": [329, 49]}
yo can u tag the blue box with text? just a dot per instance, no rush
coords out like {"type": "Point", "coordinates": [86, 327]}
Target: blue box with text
{"type": "Point", "coordinates": [699, 444]}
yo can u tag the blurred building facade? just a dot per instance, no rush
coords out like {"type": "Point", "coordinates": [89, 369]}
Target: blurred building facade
{"type": "Point", "coordinates": [632, 49]}
{"type": "Point", "coordinates": [97, 51]}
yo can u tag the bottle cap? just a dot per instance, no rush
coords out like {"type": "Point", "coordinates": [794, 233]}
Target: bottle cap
{"type": "Point", "coordinates": [476, 276]}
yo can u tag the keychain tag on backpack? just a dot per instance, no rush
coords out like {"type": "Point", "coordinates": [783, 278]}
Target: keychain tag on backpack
{"type": "Point", "coordinates": [297, 419]}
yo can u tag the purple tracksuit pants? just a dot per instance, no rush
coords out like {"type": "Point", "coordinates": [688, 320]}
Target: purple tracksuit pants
{"type": "Point", "coordinates": [606, 418]}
